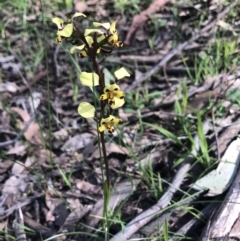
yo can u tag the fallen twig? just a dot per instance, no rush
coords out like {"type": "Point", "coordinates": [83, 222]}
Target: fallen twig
{"type": "Point", "coordinates": [36, 78]}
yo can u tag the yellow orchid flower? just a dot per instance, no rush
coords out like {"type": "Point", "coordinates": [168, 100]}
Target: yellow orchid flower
{"type": "Point", "coordinates": [114, 95]}
{"type": "Point", "coordinates": [65, 31]}
{"type": "Point", "coordinates": [86, 110]}
{"type": "Point", "coordinates": [108, 123]}
{"type": "Point", "coordinates": [112, 35]}
{"type": "Point", "coordinates": [89, 79]}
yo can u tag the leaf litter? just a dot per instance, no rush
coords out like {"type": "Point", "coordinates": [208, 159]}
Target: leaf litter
{"type": "Point", "coordinates": [50, 175]}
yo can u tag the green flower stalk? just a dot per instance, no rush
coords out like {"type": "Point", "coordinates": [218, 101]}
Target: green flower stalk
{"type": "Point", "coordinates": [99, 40]}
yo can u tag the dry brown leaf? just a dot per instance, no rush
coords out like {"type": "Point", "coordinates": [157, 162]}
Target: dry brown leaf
{"type": "Point", "coordinates": [61, 134]}
{"type": "Point", "coordinates": [20, 167]}
{"type": "Point", "coordinates": [17, 150]}
{"type": "Point", "coordinates": [34, 101]}
{"type": "Point", "coordinates": [80, 6]}
{"type": "Point", "coordinates": [5, 165]}
{"type": "Point", "coordinates": [32, 133]}
{"type": "Point", "coordinates": [88, 187]}
{"type": "Point", "coordinates": [15, 187]}
{"type": "Point", "coordinates": [3, 224]}
{"type": "Point", "coordinates": [110, 148]}
{"type": "Point", "coordinates": [74, 203]}
{"type": "Point", "coordinates": [78, 142]}
{"type": "Point", "coordinates": [74, 216]}
{"type": "Point", "coordinates": [15, 184]}
{"type": "Point", "coordinates": [141, 18]}
{"type": "Point", "coordinates": [10, 87]}
{"type": "Point", "coordinates": [51, 203]}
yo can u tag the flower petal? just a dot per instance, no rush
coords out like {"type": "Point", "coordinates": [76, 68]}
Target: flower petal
{"type": "Point", "coordinates": [86, 110]}
{"type": "Point", "coordinates": [104, 25]}
{"type": "Point", "coordinates": [81, 47]}
{"type": "Point", "coordinates": [59, 39]}
{"type": "Point", "coordinates": [89, 40]}
{"type": "Point", "coordinates": [103, 97]}
{"type": "Point", "coordinates": [89, 31]}
{"type": "Point", "coordinates": [112, 87]}
{"type": "Point", "coordinates": [89, 79]}
{"type": "Point", "coordinates": [101, 128]}
{"type": "Point", "coordinates": [117, 120]}
{"type": "Point", "coordinates": [78, 15]}
{"type": "Point", "coordinates": [113, 38]}
{"type": "Point", "coordinates": [59, 22]}
{"type": "Point", "coordinates": [121, 73]}
{"type": "Point", "coordinates": [102, 37]}
{"type": "Point", "coordinates": [119, 94]}
{"type": "Point", "coordinates": [67, 30]}
{"type": "Point", "coordinates": [83, 54]}
{"type": "Point", "coordinates": [117, 103]}
{"type": "Point", "coordinates": [112, 28]}
{"type": "Point", "coordinates": [108, 119]}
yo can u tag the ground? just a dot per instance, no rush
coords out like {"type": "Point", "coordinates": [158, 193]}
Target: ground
{"type": "Point", "coordinates": [180, 118]}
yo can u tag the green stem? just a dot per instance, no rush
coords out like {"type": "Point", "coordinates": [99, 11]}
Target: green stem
{"type": "Point", "coordinates": [102, 137]}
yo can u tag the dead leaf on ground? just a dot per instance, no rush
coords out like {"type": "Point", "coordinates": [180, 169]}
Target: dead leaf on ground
{"type": "Point", "coordinates": [61, 134]}
{"type": "Point", "coordinates": [78, 142]}
{"type": "Point", "coordinates": [19, 150]}
{"type": "Point", "coordinates": [80, 6]}
{"type": "Point", "coordinates": [74, 217]}
{"type": "Point", "coordinates": [19, 167]}
{"type": "Point", "coordinates": [51, 203]}
{"type": "Point", "coordinates": [141, 18]}
{"type": "Point", "coordinates": [3, 224]}
{"type": "Point", "coordinates": [15, 187]}
{"type": "Point", "coordinates": [8, 86]}
{"type": "Point", "coordinates": [5, 165]}
{"type": "Point", "coordinates": [88, 187]}
{"type": "Point", "coordinates": [32, 133]}
{"type": "Point", "coordinates": [110, 148]}
{"type": "Point", "coordinates": [34, 101]}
